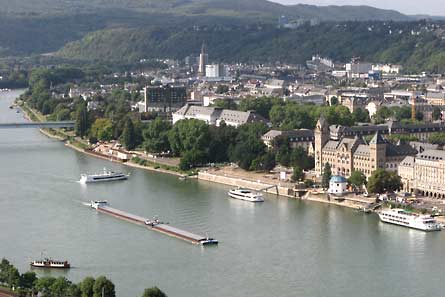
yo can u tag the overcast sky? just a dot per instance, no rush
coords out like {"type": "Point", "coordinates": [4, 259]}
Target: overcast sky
{"type": "Point", "coordinates": [431, 7]}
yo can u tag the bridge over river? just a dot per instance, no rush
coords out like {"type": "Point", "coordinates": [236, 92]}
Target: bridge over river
{"type": "Point", "coordinates": [39, 125]}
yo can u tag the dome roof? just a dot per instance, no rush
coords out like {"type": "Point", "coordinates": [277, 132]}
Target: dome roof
{"type": "Point", "coordinates": [338, 179]}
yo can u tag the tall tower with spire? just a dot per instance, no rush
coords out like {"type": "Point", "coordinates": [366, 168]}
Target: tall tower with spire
{"type": "Point", "coordinates": [203, 60]}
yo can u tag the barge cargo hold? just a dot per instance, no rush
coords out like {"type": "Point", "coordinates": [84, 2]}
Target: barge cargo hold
{"type": "Point", "coordinates": [102, 206]}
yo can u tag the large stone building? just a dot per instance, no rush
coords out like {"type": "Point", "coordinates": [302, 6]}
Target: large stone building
{"type": "Point", "coordinates": [424, 173]}
{"type": "Point", "coordinates": [347, 154]}
{"type": "Point", "coordinates": [303, 138]}
{"type": "Point", "coordinates": [215, 116]}
{"type": "Point", "coordinates": [421, 131]}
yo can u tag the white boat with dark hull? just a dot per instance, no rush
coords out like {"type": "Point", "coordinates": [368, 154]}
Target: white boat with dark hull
{"type": "Point", "coordinates": [246, 195]}
{"type": "Point", "coordinates": [404, 218]}
{"type": "Point", "coordinates": [50, 263]}
{"type": "Point", "coordinates": [102, 177]}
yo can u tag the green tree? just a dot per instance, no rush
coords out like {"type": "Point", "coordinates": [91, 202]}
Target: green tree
{"type": "Point", "coordinates": [382, 181]}
{"type": "Point", "coordinates": [192, 158]}
{"type": "Point", "coordinates": [13, 277]}
{"type": "Point", "coordinates": [334, 100]}
{"type": "Point", "coordinates": [222, 138]}
{"type": "Point", "coordinates": [261, 105]}
{"type": "Point", "coordinates": [4, 270]}
{"type": "Point", "coordinates": [400, 113]}
{"type": "Point", "coordinates": [63, 114]}
{"type": "Point", "coordinates": [103, 287]}
{"type": "Point", "coordinates": [86, 287]}
{"type": "Point", "coordinates": [265, 162]}
{"type": "Point", "coordinates": [222, 89]}
{"type": "Point", "coordinates": [225, 104]}
{"type": "Point", "coordinates": [153, 292]}
{"type": "Point", "coordinates": [60, 287]}
{"type": "Point", "coordinates": [382, 115]}
{"type": "Point", "coordinates": [437, 138]}
{"type": "Point", "coordinates": [73, 291]}
{"type": "Point", "coordinates": [188, 135]}
{"type": "Point", "coordinates": [102, 129]}
{"type": "Point", "coordinates": [361, 116]}
{"type": "Point", "coordinates": [326, 177]}
{"type": "Point", "coordinates": [156, 136]}
{"type": "Point", "coordinates": [27, 280]}
{"type": "Point", "coordinates": [300, 158]}
{"type": "Point", "coordinates": [128, 136]}
{"type": "Point", "coordinates": [437, 113]}
{"type": "Point", "coordinates": [298, 174]}
{"type": "Point", "coordinates": [82, 124]}
{"type": "Point", "coordinates": [357, 179]}
{"type": "Point", "coordinates": [43, 285]}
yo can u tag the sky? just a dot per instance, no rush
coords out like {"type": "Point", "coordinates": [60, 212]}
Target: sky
{"type": "Point", "coordinates": [430, 7]}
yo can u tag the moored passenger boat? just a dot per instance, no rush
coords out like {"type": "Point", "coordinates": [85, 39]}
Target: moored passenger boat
{"type": "Point", "coordinates": [402, 217]}
{"type": "Point", "coordinates": [246, 195]}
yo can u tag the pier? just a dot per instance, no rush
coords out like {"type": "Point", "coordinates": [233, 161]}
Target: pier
{"type": "Point", "coordinates": [103, 207]}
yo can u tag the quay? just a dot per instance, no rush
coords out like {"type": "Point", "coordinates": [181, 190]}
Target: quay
{"type": "Point", "coordinates": [155, 225]}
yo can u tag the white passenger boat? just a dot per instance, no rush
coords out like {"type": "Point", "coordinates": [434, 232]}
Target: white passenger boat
{"type": "Point", "coordinates": [209, 241]}
{"type": "Point", "coordinates": [102, 177]}
{"type": "Point", "coordinates": [408, 219]}
{"type": "Point", "coordinates": [50, 263]}
{"type": "Point", "coordinates": [245, 194]}
{"type": "Point", "coordinates": [97, 203]}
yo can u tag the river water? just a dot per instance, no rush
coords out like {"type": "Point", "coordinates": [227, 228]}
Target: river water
{"type": "Point", "coordinates": [281, 247]}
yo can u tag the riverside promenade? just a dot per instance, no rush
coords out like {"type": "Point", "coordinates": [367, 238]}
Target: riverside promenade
{"type": "Point", "coordinates": [6, 293]}
{"type": "Point", "coordinates": [270, 183]}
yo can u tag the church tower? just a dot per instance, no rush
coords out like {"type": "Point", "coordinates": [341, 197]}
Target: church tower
{"type": "Point", "coordinates": [203, 60]}
{"type": "Point", "coordinates": [322, 136]}
{"type": "Point", "coordinates": [377, 152]}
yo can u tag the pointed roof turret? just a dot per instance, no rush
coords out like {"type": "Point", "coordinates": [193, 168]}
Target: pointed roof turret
{"type": "Point", "coordinates": [322, 122]}
{"type": "Point", "coordinates": [203, 48]}
{"type": "Point", "coordinates": [377, 139]}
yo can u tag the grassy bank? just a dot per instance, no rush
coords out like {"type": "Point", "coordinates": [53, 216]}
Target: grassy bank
{"type": "Point", "coordinates": [163, 167]}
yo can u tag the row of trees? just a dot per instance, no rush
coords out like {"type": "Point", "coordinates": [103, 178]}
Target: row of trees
{"type": "Point", "coordinates": [198, 143]}
{"type": "Point", "coordinates": [28, 283]}
{"type": "Point", "coordinates": [291, 115]}
{"type": "Point", "coordinates": [401, 113]}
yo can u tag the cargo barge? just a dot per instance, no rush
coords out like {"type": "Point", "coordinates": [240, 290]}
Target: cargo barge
{"type": "Point", "coordinates": [154, 224]}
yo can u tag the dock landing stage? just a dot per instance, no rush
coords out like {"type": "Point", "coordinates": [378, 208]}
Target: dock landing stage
{"type": "Point", "coordinates": [102, 206]}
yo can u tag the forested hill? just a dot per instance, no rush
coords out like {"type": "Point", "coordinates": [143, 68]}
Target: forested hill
{"type": "Point", "coordinates": [240, 8]}
{"type": "Point", "coordinates": [416, 45]}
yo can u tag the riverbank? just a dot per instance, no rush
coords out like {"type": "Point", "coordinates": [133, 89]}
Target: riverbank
{"type": "Point", "coordinates": [277, 187]}
{"type": "Point", "coordinates": [80, 147]}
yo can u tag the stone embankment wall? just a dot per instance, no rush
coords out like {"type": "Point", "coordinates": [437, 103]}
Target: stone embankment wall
{"type": "Point", "coordinates": [254, 185]}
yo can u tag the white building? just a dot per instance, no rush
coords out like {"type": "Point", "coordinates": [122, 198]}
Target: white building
{"type": "Point", "coordinates": [215, 116]}
{"type": "Point", "coordinates": [387, 68]}
{"type": "Point", "coordinates": [356, 69]}
{"type": "Point", "coordinates": [338, 185]}
{"type": "Point", "coordinates": [215, 70]}
{"type": "Point", "coordinates": [206, 114]}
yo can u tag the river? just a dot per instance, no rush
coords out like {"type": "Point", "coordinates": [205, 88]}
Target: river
{"type": "Point", "coordinates": [281, 247]}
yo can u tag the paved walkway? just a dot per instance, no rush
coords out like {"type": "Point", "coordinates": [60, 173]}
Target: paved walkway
{"type": "Point", "coordinates": [4, 293]}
